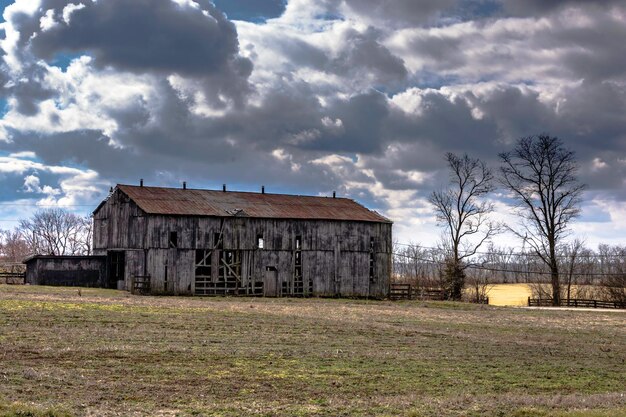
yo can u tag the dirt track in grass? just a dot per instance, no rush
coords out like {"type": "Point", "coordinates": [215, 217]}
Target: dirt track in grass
{"type": "Point", "coordinates": [108, 353]}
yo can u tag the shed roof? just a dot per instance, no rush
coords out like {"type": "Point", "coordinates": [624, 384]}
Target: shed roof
{"type": "Point", "coordinates": [190, 202]}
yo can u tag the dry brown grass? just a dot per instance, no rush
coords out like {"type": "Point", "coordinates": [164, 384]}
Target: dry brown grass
{"type": "Point", "coordinates": [110, 353]}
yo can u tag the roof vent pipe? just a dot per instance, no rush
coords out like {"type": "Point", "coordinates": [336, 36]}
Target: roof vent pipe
{"type": "Point", "coordinates": [224, 187]}
{"type": "Point", "coordinates": [184, 185]}
{"type": "Point", "coordinates": [334, 194]}
{"type": "Point", "coordinates": [263, 189]}
{"type": "Point", "coordinates": [141, 182]}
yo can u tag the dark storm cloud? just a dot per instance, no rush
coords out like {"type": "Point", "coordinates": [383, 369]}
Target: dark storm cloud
{"type": "Point", "coordinates": [144, 36]}
{"type": "Point", "coordinates": [443, 52]}
{"type": "Point", "coordinates": [594, 50]}
{"type": "Point", "coordinates": [201, 164]}
{"type": "Point", "coordinates": [595, 110]}
{"type": "Point", "coordinates": [589, 120]}
{"type": "Point", "coordinates": [300, 52]}
{"type": "Point", "coordinates": [29, 91]}
{"type": "Point", "coordinates": [364, 53]}
{"type": "Point", "coordinates": [540, 7]}
{"type": "Point", "coordinates": [156, 37]}
{"type": "Point", "coordinates": [514, 112]}
{"type": "Point", "coordinates": [449, 124]}
{"type": "Point", "coordinates": [363, 118]}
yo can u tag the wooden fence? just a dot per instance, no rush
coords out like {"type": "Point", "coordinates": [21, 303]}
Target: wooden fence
{"type": "Point", "coordinates": [12, 278]}
{"type": "Point", "coordinates": [408, 292]}
{"type": "Point", "coordinates": [141, 284]}
{"type": "Point", "coordinates": [546, 302]}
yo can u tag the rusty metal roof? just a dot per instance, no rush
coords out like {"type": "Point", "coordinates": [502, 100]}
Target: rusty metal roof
{"type": "Point", "coordinates": [190, 202]}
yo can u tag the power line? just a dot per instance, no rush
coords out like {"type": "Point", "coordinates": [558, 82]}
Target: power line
{"type": "Point", "coordinates": [47, 205]}
{"type": "Point", "coordinates": [522, 254]}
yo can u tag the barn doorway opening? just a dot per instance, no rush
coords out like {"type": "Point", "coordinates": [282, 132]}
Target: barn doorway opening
{"type": "Point", "coordinates": [115, 267]}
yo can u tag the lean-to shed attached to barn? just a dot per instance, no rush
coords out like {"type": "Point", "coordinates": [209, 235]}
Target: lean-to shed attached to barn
{"type": "Point", "coordinates": [207, 242]}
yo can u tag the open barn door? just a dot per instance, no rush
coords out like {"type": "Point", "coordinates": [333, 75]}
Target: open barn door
{"type": "Point", "coordinates": [116, 262]}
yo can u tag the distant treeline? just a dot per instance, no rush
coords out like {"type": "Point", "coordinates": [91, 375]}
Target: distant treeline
{"type": "Point", "coordinates": [424, 267]}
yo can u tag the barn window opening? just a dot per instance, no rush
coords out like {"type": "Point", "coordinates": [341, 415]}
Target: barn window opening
{"type": "Point", "coordinates": [260, 243]}
{"type": "Point", "coordinates": [173, 240]}
{"type": "Point", "coordinates": [298, 242]}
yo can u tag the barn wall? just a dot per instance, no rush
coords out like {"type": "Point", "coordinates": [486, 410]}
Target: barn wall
{"type": "Point", "coordinates": [118, 224]}
{"type": "Point", "coordinates": [335, 254]}
{"type": "Point", "coordinates": [68, 271]}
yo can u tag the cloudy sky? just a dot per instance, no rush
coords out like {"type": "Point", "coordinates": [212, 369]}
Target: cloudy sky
{"type": "Point", "coordinates": [307, 96]}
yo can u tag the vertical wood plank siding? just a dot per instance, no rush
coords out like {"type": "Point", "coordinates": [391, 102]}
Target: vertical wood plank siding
{"type": "Point", "coordinates": [335, 254]}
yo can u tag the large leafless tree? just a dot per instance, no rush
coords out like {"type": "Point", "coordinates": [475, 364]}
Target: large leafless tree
{"type": "Point", "coordinates": [463, 211]}
{"type": "Point", "coordinates": [57, 232]}
{"type": "Point", "coordinates": [541, 174]}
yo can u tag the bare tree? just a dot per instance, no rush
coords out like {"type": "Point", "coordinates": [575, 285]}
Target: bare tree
{"type": "Point", "coordinates": [613, 266]}
{"type": "Point", "coordinates": [56, 232]}
{"type": "Point", "coordinates": [464, 214]}
{"type": "Point", "coordinates": [541, 174]}
{"type": "Point", "coordinates": [480, 282]}
{"type": "Point", "coordinates": [13, 246]}
{"type": "Point", "coordinates": [575, 260]}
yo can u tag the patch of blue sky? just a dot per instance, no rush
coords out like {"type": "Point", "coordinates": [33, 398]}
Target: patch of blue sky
{"type": "Point", "coordinates": [63, 59]}
{"type": "Point", "coordinates": [256, 11]}
{"type": "Point", "coordinates": [593, 213]}
{"type": "Point", "coordinates": [4, 106]}
{"type": "Point", "coordinates": [3, 5]}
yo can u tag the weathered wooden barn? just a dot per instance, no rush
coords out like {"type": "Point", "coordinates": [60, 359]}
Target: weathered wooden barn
{"type": "Point", "coordinates": [207, 242]}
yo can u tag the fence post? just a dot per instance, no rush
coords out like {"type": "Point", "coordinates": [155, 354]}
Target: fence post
{"type": "Point", "coordinates": [595, 303]}
{"type": "Point", "coordinates": [528, 301]}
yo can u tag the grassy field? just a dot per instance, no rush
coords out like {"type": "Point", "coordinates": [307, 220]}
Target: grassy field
{"type": "Point", "coordinates": [509, 294]}
{"type": "Point", "coordinates": [517, 294]}
{"type": "Point", "coordinates": [106, 353]}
